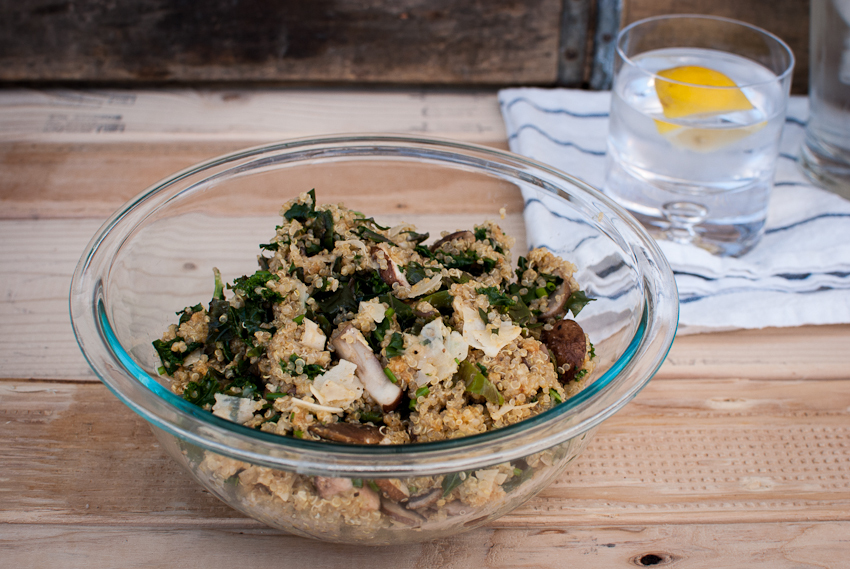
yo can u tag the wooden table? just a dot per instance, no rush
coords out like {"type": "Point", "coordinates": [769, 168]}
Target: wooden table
{"type": "Point", "coordinates": [737, 454]}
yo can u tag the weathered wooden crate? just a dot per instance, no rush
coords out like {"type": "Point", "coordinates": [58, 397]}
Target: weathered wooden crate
{"type": "Point", "coordinates": [398, 42]}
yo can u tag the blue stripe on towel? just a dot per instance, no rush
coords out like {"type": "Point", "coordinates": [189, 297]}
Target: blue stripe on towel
{"type": "Point", "coordinates": [597, 115]}
{"type": "Point", "coordinates": [556, 141]}
{"type": "Point", "coordinates": [804, 221]}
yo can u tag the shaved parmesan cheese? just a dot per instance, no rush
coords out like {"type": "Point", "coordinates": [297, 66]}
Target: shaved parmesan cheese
{"type": "Point", "coordinates": [507, 407]}
{"type": "Point", "coordinates": [313, 336]}
{"type": "Point", "coordinates": [236, 409]}
{"type": "Point", "coordinates": [491, 475]}
{"type": "Point", "coordinates": [436, 351]}
{"type": "Point", "coordinates": [426, 286]}
{"type": "Point", "coordinates": [480, 335]}
{"type": "Point", "coordinates": [314, 407]}
{"type": "Point", "coordinates": [374, 309]}
{"type": "Point", "coordinates": [354, 243]}
{"type": "Point", "coordinates": [339, 386]}
{"type": "Point", "coordinates": [396, 230]}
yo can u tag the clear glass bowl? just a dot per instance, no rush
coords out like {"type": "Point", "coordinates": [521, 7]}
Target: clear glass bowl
{"type": "Point", "coordinates": [155, 256]}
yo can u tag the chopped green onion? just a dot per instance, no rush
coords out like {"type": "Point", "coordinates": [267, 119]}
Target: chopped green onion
{"type": "Point", "coordinates": [556, 397]}
{"type": "Point", "coordinates": [390, 375]}
{"type": "Point", "coordinates": [541, 292]}
{"type": "Point", "coordinates": [389, 313]}
{"type": "Point", "coordinates": [373, 486]}
{"type": "Point", "coordinates": [273, 396]}
{"type": "Point", "coordinates": [298, 434]}
{"type": "Point", "coordinates": [357, 482]}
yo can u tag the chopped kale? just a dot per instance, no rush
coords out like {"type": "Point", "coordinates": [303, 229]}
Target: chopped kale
{"type": "Point", "coordinates": [310, 370]}
{"type": "Point", "coordinates": [417, 238]}
{"type": "Point", "coordinates": [203, 392]}
{"type": "Point", "coordinates": [323, 230]}
{"type": "Point", "coordinates": [403, 313]}
{"type": "Point", "coordinates": [171, 360]}
{"type": "Point", "coordinates": [371, 417]}
{"type": "Point", "coordinates": [186, 313]}
{"type": "Point", "coordinates": [452, 481]}
{"type": "Point", "coordinates": [302, 211]}
{"type": "Point", "coordinates": [371, 221]}
{"type": "Point", "coordinates": [366, 233]}
{"type": "Point", "coordinates": [466, 261]}
{"type": "Point", "coordinates": [377, 335]}
{"type": "Point", "coordinates": [254, 287]}
{"type": "Point", "coordinates": [396, 345]}
{"type": "Point", "coordinates": [496, 298]}
{"type": "Point", "coordinates": [522, 472]}
{"type": "Point", "coordinates": [577, 301]}
{"type": "Point", "coordinates": [415, 272]}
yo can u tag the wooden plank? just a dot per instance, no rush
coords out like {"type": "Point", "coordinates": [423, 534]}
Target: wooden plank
{"type": "Point", "coordinates": [788, 19]}
{"type": "Point", "coordinates": [243, 116]}
{"type": "Point", "coordinates": [712, 451]}
{"type": "Point", "coordinates": [696, 546]}
{"type": "Point", "coordinates": [36, 340]}
{"type": "Point", "coordinates": [406, 41]}
{"type": "Point", "coordinates": [84, 153]}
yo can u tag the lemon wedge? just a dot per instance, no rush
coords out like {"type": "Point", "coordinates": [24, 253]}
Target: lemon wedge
{"type": "Point", "coordinates": [691, 91]}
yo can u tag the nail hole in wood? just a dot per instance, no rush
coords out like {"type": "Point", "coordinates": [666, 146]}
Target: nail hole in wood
{"type": "Point", "coordinates": [650, 559]}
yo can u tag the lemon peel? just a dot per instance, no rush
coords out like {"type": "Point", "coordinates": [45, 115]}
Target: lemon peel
{"type": "Point", "coordinates": [693, 90]}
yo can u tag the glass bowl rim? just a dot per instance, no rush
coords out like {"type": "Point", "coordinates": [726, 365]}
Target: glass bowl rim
{"type": "Point", "coordinates": [88, 316]}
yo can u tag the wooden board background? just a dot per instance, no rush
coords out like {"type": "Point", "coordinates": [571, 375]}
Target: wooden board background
{"type": "Point", "coordinates": [434, 42]}
{"type": "Point", "coordinates": [737, 454]}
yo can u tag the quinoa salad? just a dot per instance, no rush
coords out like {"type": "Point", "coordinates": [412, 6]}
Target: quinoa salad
{"type": "Point", "coordinates": [355, 332]}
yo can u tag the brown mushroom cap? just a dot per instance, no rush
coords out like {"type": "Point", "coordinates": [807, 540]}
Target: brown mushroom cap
{"type": "Point", "coordinates": [401, 514]}
{"type": "Point", "coordinates": [425, 499]}
{"type": "Point", "coordinates": [466, 234]}
{"type": "Point", "coordinates": [348, 433]}
{"type": "Point", "coordinates": [568, 344]}
{"type": "Point", "coordinates": [393, 489]}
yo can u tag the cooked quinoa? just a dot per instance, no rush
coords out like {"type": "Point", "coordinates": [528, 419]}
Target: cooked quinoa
{"type": "Point", "coordinates": [351, 331]}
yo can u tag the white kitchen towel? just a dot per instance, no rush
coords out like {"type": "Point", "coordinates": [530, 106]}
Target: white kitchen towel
{"type": "Point", "coordinates": [798, 274]}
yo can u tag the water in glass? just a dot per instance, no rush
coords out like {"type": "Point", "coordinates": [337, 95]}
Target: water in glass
{"type": "Point", "coordinates": [702, 177]}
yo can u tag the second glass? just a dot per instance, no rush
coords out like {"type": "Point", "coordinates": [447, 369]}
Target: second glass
{"type": "Point", "coordinates": [697, 111]}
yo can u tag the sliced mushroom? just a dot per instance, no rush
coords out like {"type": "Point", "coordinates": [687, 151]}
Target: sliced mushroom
{"type": "Point", "coordinates": [401, 514]}
{"type": "Point", "coordinates": [348, 433]}
{"type": "Point", "coordinates": [392, 274]}
{"type": "Point", "coordinates": [557, 302]}
{"type": "Point", "coordinates": [466, 235]}
{"type": "Point", "coordinates": [393, 489]}
{"type": "Point", "coordinates": [350, 344]}
{"type": "Point", "coordinates": [330, 487]}
{"type": "Point", "coordinates": [457, 508]}
{"type": "Point", "coordinates": [425, 499]}
{"type": "Point", "coordinates": [568, 344]}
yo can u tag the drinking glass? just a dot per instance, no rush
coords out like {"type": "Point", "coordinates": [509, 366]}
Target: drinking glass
{"type": "Point", "coordinates": [697, 110]}
{"type": "Point", "coordinates": [826, 152]}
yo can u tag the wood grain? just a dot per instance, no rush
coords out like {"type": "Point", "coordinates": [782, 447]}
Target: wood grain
{"type": "Point", "coordinates": [698, 546]}
{"type": "Point", "coordinates": [716, 451]}
{"type": "Point", "coordinates": [406, 41]}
